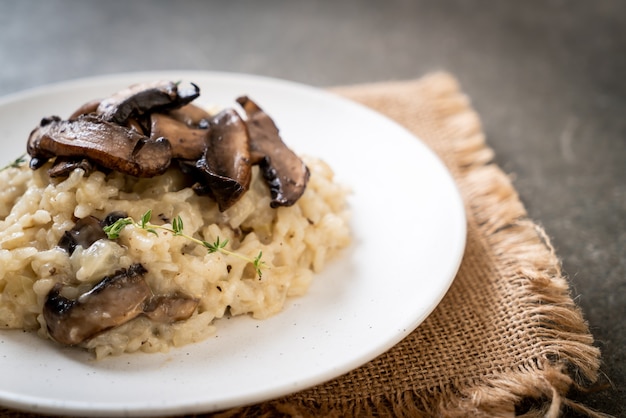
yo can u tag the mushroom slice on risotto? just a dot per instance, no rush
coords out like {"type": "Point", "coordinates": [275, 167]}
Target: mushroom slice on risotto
{"type": "Point", "coordinates": [113, 301]}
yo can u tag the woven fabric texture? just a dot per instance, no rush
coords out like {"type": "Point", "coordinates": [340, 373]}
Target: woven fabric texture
{"type": "Point", "coordinates": [507, 339]}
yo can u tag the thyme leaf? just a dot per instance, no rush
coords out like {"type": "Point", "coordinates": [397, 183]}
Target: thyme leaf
{"type": "Point", "coordinates": [177, 225]}
{"type": "Point", "coordinates": [16, 163]}
{"type": "Point", "coordinates": [145, 219]}
{"type": "Point", "coordinates": [216, 246]}
{"type": "Point", "coordinates": [113, 232]}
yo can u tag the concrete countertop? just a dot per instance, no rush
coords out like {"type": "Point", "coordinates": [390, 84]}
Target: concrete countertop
{"type": "Point", "coordinates": [547, 78]}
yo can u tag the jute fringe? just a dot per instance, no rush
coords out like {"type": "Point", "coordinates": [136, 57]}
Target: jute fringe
{"type": "Point", "coordinates": [549, 350]}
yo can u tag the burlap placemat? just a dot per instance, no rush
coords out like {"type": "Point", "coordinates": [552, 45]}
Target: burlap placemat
{"type": "Point", "coordinates": [507, 339]}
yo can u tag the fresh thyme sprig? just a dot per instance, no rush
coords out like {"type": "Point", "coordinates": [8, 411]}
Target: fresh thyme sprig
{"type": "Point", "coordinates": [16, 163]}
{"type": "Point", "coordinates": [113, 232]}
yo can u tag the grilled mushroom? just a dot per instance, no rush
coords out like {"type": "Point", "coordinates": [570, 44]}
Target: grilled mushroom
{"type": "Point", "coordinates": [187, 143]}
{"type": "Point", "coordinates": [106, 144]}
{"type": "Point", "coordinates": [143, 98]}
{"type": "Point", "coordinates": [87, 108]}
{"type": "Point", "coordinates": [225, 170]}
{"type": "Point", "coordinates": [85, 232]}
{"type": "Point", "coordinates": [192, 116]}
{"type": "Point", "coordinates": [168, 309]}
{"type": "Point", "coordinates": [63, 166]}
{"type": "Point", "coordinates": [113, 301]}
{"type": "Point", "coordinates": [140, 130]}
{"type": "Point", "coordinates": [284, 172]}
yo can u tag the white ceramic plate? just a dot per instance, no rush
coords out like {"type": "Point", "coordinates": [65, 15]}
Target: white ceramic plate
{"type": "Point", "coordinates": [409, 237]}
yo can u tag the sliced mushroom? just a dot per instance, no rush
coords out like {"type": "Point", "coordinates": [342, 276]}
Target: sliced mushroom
{"type": "Point", "coordinates": [225, 170]}
{"type": "Point", "coordinates": [63, 166]}
{"type": "Point", "coordinates": [168, 309]}
{"type": "Point", "coordinates": [143, 98]}
{"type": "Point", "coordinates": [139, 125]}
{"type": "Point", "coordinates": [106, 144]}
{"type": "Point", "coordinates": [85, 232]}
{"type": "Point", "coordinates": [192, 116]}
{"type": "Point", "coordinates": [39, 157]}
{"type": "Point", "coordinates": [113, 301]}
{"type": "Point", "coordinates": [187, 143]}
{"type": "Point", "coordinates": [113, 217]}
{"type": "Point", "coordinates": [285, 173]}
{"type": "Point", "coordinates": [140, 130]}
{"type": "Point", "coordinates": [87, 108]}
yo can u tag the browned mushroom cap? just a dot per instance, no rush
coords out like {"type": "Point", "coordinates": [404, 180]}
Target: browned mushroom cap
{"type": "Point", "coordinates": [112, 217]}
{"type": "Point", "coordinates": [187, 143]}
{"type": "Point", "coordinates": [63, 166]}
{"type": "Point", "coordinates": [284, 172]}
{"type": "Point", "coordinates": [192, 116]}
{"type": "Point", "coordinates": [87, 108]}
{"type": "Point", "coordinates": [168, 309]}
{"type": "Point", "coordinates": [225, 170]}
{"type": "Point", "coordinates": [38, 156]}
{"type": "Point", "coordinates": [143, 98]}
{"type": "Point", "coordinates": [85, 232]}
{"type": "Point", "coordinates": [113, 301]}
{"type": "Point", "coordinates": [106, 144]}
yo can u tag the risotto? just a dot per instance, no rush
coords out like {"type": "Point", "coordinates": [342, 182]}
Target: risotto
{"type": "Point", "coordinates": [269, 252]}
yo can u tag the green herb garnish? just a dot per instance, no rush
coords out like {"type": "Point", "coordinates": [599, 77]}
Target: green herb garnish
{"type": "Point", "coordinates": [16, 163]}
{"type": "Point", "coordinates": [113, 232]}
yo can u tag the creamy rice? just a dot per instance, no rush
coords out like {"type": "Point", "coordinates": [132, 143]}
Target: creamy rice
{"type": "Point", "coordinates": [295, 241]}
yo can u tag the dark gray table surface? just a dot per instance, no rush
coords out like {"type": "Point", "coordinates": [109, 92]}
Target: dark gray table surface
{"type": "Point", "coordinates": [547, 77]}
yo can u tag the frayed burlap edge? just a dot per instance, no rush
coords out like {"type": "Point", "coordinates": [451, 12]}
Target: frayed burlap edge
{"type": "Point", "coordinates": [519, 248]}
